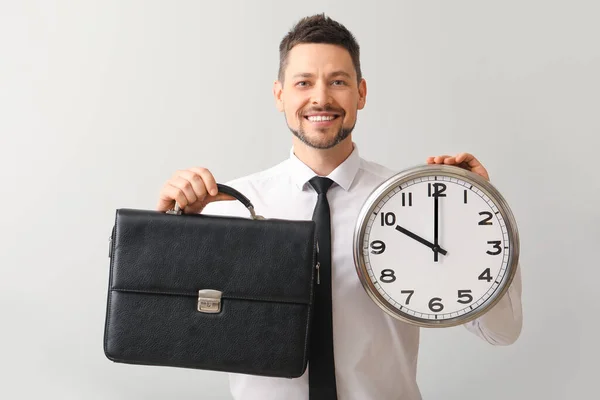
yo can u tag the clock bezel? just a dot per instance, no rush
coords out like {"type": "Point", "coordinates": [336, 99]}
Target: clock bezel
{"type": "Point", "coordinates": [428, 170]}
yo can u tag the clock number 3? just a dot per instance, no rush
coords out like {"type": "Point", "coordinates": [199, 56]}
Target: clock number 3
{"type": "Point", "coordinates": [496, 244]}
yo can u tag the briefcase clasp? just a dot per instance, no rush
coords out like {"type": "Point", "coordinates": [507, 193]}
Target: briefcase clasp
{"type": "Point", "coordinates": [209, 301]}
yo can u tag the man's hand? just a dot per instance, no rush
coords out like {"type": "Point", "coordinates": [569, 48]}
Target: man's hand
{"type": "Point", "coordinates": [192, 189]}
{"type": "Point", "coordinates": [463, 160]}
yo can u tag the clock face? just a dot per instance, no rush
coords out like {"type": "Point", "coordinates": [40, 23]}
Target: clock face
{"type": "Point", "coordinates": [435, 249]}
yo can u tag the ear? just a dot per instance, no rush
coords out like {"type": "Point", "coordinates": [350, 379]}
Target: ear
{"type": "Point", "coordinates": [277, 92]}
{"type": "Point", "coordinates": [362, 94]}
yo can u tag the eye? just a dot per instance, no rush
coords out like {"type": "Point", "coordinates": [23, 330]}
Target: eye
{"type": "Point", "coordinates": [339, 82]}
{"type": "Point", "coordinates": [302, 83]}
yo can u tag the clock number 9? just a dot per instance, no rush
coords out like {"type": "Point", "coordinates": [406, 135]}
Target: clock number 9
{"type": "Point", "coordinates": [378, 247]}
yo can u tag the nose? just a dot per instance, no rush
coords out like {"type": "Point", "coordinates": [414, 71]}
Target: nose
{"type": "Point", "coordinates": [321, 95]}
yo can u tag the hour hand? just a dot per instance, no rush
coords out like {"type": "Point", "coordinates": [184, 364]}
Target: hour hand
{"type": "Point", "coordinates": [421, 240]}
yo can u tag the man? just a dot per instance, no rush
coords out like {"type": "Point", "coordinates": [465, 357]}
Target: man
{"type": "Point", "coordinates": [320, 90]}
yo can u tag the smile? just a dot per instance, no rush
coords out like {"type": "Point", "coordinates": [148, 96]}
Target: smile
{"type": "Point", "coordinates": [321, 118]}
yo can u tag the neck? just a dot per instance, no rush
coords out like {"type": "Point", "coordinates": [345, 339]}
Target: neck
{"type": "Point", "coordinates": [323, 161]}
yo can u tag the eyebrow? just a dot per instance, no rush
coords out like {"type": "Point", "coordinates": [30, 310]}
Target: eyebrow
{"type": "Point", "coordinates": [331, 75]}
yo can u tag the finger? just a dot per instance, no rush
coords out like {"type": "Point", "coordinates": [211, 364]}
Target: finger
{"type": "Point", "coordinates": [209, 180]}
{"type": "Point", "coordinates": [480, 170]}
{"type": "Point", "coordinates": [450, 160]}
{"type": "Point", "coordinates": [467, 158]}
{"type": "Point", "coordinates": [475, 166]}
{"type": "Point", "coordinates": [186, 191]}
{"type": "Point", "coordinates": [166, 198]}
{"type": "Point", "coordinates": [468, 161]}
{"type": "Point", "coordinates": [169, 195]}
{"type": "Point", "coordinates": [197, 183]}
{"type": "Point", "coordinates": [440, 159]}
{"type": "Point", "coordinates": [460, 157]}
{"type": "Point", "coordinates": [430, 160]}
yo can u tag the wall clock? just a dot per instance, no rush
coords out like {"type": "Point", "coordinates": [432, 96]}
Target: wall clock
{"type": "Point", "coordinates": [436, 246]}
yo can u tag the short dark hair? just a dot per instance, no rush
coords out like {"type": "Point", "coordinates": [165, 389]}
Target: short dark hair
{"type": "Point", "coordinates": [319, 29]}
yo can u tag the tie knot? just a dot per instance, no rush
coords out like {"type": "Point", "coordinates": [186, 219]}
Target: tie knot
{"type": "Point", "coordinates": [321, 184]}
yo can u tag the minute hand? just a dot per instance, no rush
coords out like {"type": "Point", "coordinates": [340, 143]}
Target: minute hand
{"type": "Point", "coordinates": [421, 240]}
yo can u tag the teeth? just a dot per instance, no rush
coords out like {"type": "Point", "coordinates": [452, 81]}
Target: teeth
{"type": "Point", "coordinates": [321, 118]}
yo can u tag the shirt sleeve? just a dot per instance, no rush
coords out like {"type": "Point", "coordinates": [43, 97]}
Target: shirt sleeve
{"type": "Point", "coordinates": [501, 325]}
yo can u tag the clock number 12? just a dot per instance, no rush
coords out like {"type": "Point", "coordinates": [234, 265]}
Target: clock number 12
{"type": "Point", "coordinates": [438, 190]}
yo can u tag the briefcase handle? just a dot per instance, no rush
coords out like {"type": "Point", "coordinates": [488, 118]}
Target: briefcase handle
{"type": "Point", "coordinates": [231, 192]}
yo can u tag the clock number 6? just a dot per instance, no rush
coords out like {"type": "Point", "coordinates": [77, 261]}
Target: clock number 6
{"type": "Point", "coordinates": [435, 305]}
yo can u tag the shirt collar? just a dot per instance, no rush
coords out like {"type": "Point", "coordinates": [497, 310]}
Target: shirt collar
{"type": "Point", "coordinates": [343, 175]}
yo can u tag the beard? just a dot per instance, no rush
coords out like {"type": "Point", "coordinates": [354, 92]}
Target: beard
{"type": "Point", "coordinates": [340, 135]}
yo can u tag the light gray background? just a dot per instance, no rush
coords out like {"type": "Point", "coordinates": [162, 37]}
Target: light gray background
{"type": "Point", "coordinates": [101, 101]}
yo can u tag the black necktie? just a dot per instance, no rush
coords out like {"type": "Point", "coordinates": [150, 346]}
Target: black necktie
{"type": "Point", "coordinates": [321, 366]}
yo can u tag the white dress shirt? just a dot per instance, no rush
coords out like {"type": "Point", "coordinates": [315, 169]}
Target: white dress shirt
{"type": "Point", "coordinates": [375, 354]}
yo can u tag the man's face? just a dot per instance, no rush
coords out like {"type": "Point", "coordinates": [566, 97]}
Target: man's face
{"type": "Point", "coordinates": [320, 95]}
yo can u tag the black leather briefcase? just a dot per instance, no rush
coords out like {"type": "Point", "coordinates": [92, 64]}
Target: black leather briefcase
{"type": "Point", "coordinates": [211, 292]}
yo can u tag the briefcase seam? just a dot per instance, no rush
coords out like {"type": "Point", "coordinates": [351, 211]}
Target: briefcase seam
{"type": "Point", "coordinates": [110, 283]}
{"type": "Point", "coordinates": [311, 303]}
{"type": "Point", "coordinates": [264, 299]}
